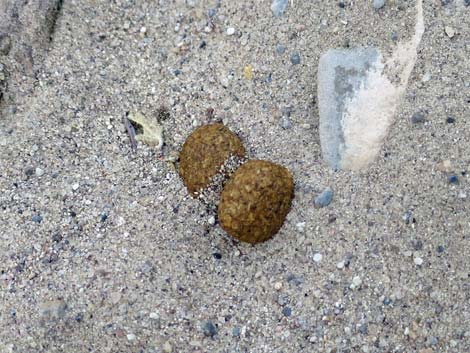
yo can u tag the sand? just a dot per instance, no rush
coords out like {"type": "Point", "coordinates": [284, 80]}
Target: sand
{"type": "Point", "coordinates": [103, 250]}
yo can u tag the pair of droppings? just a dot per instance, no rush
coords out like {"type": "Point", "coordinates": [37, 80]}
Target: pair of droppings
{"type": "Point", "coordinates": [253, 197]}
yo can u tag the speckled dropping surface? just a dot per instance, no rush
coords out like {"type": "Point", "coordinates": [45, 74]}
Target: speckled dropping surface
{"type": "Point", "coordinates": [204, 152]}
{"type": "Point", "coordinates": [103, 250]}
{"type": "Point", "coordinates": [255, 201]}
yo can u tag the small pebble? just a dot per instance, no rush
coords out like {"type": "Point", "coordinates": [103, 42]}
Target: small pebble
{"type": "Point", "coordinates": [37, 218]}
{"type": "Point", "coordinates": [295, 59]}
{"type": "Point", "coordinates": [104, 217]}
{"type": "Point", "coordinates": [450, 120]}
{"type": "Point", "coordinates": [217, 255]}
{"type": "Point", "coordinates": [154, 316]}
{"type": "Point", "coordinates": [394, 36]}
{"type": "Point", "coordinates": [75, 186]}
{"type": "Point", "coordinates": [387, 301]}
{"type": "Point", "coordinates": [440, 249]}
{"type": "Point", "coordinates": [340, 265]}
{"type": "Point", "coordinates": [211, 12]}
{"type": "Point", "coordinates": [300, 227]}
{"type": "Point", "coordinates": [280, 49]}
{"type": "Point", "coordinates": [324, 199]}
{"type": "Point", "coordinates": [286, 123]}
{"type": "Point", "coordinates": [211, 220]}
{"type": "Point", "coordinates": [449, 31]}
{"type": "Point", "coordinates": [378, 4]}
{"type": "Point", "coordinates": [418, 261]}
{"type": "Point", "coordinates": [230, 31]}
{"type": "Point", "coordinates": [356, 282]}
{"type": "Point", "coordinates": [317, 257]}
{"type": "Point", "coordinates": [418, 118]}
{"type": "Point", "coordinates": [278, 286]}
{"type": "Point", "coordinates": [453, 179]}
{"type": "Point", "coordinates": [282, 299]}
{"type": "Point", "coordinates": [130, 337]}
{"type": "Point", "coordinates": [209, 329]}
{"type": "Point", "coordinates": [39, 172]}
{"type": "Point", "coordinates": [286, 311]}
{"type": "Point", "coordinates": [278, 7]}
{"type": "Point", "coordinates": [236, 332]}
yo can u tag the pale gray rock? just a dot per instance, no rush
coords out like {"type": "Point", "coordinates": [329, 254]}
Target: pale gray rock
{"type": "Point", "coordinates": [341, 72]}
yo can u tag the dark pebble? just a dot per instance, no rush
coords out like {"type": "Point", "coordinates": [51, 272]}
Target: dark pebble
{"type": "Point", "coordinates": [286, 311]}
{"type": "Point", "coordinates": [440, 249]}
{"type": "Point", "coordinates": [217, 255]}
{"type": "Point", "coordinates": [297, 281]}
{"type": "Point", "coordinates": [341, 5]}
{"type": "Point", "coordinates": [450, 120]}
{"type": "Point", "coordinates": [177, 72]}
{"type": "Point", "coordinates": [387, 301]}
{"type": "Point", "coordinates": [417, 245]}
{"type": "Point", "coordinates": [79, 317]}
{"type": "Point", "coordinates": [363, 329]}
{"type": "Point", "coordinates": [418, 118]}
{"type": "Point", "coordinates": [104, 217]}
{"type": "Point", "coordinates": [295, 59]}
{"type": "Point", "coordinates": [209, 329]}
{"type": "Point", "coordinates": [453, 179]}
{"type": "Point", "coordinates": [29, 171]}
{"type": "Point", "coordinates": [57, 237]}
{"type": "Point", "coordinates": [37, 218]}
{"type": "Point", "coordinates": [394, 36]}
{"type": "Point", "coordinates": [202, 45]}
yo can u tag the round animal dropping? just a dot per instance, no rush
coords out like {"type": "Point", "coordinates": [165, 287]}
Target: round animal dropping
{"type": "Point", "coordinates": [205, 152]}
{"type": "Point", "coordinates": [256, 200]}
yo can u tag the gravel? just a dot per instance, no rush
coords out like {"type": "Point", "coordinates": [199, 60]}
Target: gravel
{"type": "Point", "coordinates": [324, 198]}
{"type": "Point", "coordinates": [295, 59]}
{"type": "Point", "coordinates": [128, 253]}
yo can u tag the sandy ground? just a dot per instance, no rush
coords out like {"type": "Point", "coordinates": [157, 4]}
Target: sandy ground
{"type": "Point", "coordinates": [103, 250]}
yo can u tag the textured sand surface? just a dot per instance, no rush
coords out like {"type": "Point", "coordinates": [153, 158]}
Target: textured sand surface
{"type": "Point", "coordinates": [103, 250]}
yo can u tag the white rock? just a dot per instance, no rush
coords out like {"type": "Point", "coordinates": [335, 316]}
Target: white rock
{"type": "Point", "coordinates": [131, 337]}
{"type": "Point", "coordinates": [317, 257]}
{"type": "Point", "coordinates": [356, 282]}
{"type": "Point", "coordinates": [154, 316]}
{"type": "Point", "coordinates": [39, 172]}
{"type": "Point", "coordinates": [230, 31]}
{"type": "Point", "coordinates": [418, 261]}
{"type": "Point", "coordinates": [449, 31]}
{"type": "Point", "coordinates": [340, 265]}
{"type": "Point", "coordinates": [300, 227]}
{"type": "Point", "coordinates": [211, 220]}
